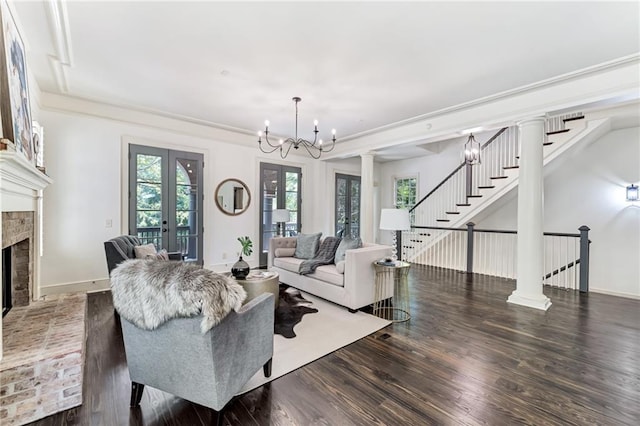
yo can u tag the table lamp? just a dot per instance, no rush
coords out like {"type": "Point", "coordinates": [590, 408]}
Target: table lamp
{"type": "Point", "coordinates": [395, 220]}
{"type": "Point", "coordinates": [280, 216]}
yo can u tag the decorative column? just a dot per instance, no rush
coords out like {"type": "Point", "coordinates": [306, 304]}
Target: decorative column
{"type": "Point", "coordinates": [530, 246]}
{"type": "Point", "coordinates": [366, 197]}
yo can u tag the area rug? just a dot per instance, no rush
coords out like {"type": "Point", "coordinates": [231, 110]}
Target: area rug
{"type": "Point", "coordinates": [317, 334]}
{"type": "Point", "coordinates": [291, 307]}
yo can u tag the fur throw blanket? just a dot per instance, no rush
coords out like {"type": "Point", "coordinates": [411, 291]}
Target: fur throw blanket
{"type": "Point", "coordinates": [149, 292]}
{"type": "Point", "coordinates": [325, 256]}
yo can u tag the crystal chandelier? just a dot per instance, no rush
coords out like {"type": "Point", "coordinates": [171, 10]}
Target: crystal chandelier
{"type": "Point", "coordinates": [315, 148]}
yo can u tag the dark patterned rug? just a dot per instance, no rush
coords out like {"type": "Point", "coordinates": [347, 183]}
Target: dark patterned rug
{"type": "Point", "coordinates": [290, 310]}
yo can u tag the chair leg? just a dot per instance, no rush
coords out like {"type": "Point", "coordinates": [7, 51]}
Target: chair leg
{"type": "Point", "coordinates": [219, 417]}
{"type": "Point", "coordinates": [136, 393]}
{"type": "Point", "coordinates": [266, 369]}
{"type": "Point", "coordinates": [353, 311]}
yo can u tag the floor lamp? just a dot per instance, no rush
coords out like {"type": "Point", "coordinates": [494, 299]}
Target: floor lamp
{"type": "Point", "coordinates": [280, 216]}
{"type": "Point", "coordinates": [395, 220]}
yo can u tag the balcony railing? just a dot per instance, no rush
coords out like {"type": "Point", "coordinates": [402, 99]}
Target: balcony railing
{"type": "Point", "coordinates": [153, 235]}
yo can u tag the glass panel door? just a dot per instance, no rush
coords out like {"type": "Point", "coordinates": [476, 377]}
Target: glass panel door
{"type": "Point", "coordinates": [187, 175]}
{"type": "Point", "coordinates": [347, 202]}
{"type": "Point", "coordinates": [148, 176]}
{"type": "Point", "coordinates": [165, 199]}
{"type": "Point", "coordinates": [280, 189]}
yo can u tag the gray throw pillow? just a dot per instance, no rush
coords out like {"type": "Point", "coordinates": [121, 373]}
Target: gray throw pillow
{"type": "Point", "coordinates": [347, 243]}
{"type": "Point", "coordinates": [307, 245]}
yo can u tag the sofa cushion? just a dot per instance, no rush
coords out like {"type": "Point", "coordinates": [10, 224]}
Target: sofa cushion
{"type": "Point", "coordinates": [285, 252]}
{"type": "Point", "coordinates": [307, 245]}
{"type": "Point", "coordinates": [347, 243]}
{"type": "Point", "coordinates": [340, 266]}
{"type": "Point", "coordinates": [144, 251]}
{"type": "Point", "coordinates": [288, 263]}
{"type": "Point", "coordinates": [328, 274]}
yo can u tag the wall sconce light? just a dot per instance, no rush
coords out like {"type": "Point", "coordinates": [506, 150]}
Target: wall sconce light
{"type": "Point", "coordinates": [632, 192]}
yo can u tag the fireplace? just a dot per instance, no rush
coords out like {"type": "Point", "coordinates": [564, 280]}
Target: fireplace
{"type": "Point", "coordinates": [17, 258]}
{"type": "Point", "coordinates": [6, 281]}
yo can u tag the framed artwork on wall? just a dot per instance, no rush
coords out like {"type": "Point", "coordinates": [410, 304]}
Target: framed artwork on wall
{"type": "Point", "coordinates": [38, 144]}
{"type": "Point", "coordinates": [14, 91]}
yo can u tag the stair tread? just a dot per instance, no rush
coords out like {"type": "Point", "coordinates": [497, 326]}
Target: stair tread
{"type": "Point", "coordinates": [511, 167]}
{"type": "Point", "coordinates": [452, 212]}
{"type": "Point", "coordinates": [443, 220]}
{"type": "Point", "coordinates": [486, 187]}
{"type": "Point", "coordinates": [463, 205]}
{"type": "Point", "coordinates": [555, 132]}
{"type": "Point", "coordinates": [498, 177]}
{"type": "Point", "coordinates": [474, 196]}
{"type": "Point", "coordinates": [547, 143]}
{"type": "Point", "coordinates": [580, 117]}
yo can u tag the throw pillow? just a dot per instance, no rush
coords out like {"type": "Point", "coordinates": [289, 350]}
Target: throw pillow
{"type": "Point", "coordinates": [161, 255]}
{"type": "Point", "coordinates": [145, 250]}
{"type": "Point", "coordinates": [347, 243]}
{"type": "Point", "coordinates": [285, 252]}
{"type": "Point", "coordinates": [340, 266]}
{"type": "Point", "coordinates": [307, 245]}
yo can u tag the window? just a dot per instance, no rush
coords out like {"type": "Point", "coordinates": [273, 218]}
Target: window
{"type": "Point", "coordinates": [406, 194]}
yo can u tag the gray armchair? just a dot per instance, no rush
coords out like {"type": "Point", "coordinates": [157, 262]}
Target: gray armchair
{"type": "Point", "coordinates": [120, 248]}
{"type": "Point", "coordinates": [208, 369]}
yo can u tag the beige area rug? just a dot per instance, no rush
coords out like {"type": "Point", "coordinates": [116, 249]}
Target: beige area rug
{"type": "Point", "coordinates": [318, 334]}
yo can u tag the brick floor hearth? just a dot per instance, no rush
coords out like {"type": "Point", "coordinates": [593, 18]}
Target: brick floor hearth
{"type": "Point", "coordinates": [43, 359]}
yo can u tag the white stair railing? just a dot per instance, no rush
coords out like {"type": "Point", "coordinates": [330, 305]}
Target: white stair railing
{"type": "Point", "coordinates": [459, 191]}
{"type": "Point", "coordinates": [494, 253]}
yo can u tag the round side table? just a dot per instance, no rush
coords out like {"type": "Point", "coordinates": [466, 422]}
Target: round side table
{"type": "Point", "coordinates": [392, 278]}
{"type": "Point", "coordinates": [258, 282]}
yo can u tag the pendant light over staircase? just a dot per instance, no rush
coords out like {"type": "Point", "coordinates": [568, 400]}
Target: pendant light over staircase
{"type": "Point", "coordinates": [315, 148]}
{"type": "Point", "coordinates": [472, 151]}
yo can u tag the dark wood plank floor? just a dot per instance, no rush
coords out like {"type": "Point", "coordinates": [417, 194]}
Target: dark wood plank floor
{"type": "Point", "coordinates": [466, 357]}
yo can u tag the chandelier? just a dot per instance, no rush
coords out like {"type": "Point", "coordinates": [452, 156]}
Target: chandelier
{"type": "Point", "coordinates": [472, 151]}
{"type": "Point", "coordinates": [315, 148]}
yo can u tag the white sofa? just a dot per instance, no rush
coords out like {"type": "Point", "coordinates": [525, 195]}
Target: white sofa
{"type": "Point", "coordinates": [354, 288]}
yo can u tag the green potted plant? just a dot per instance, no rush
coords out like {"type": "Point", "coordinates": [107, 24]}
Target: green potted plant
{"type": "Point", "coordinates": [241, 269]}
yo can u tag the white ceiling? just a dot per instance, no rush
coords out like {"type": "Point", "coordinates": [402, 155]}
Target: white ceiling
{"type": "Point", "coordinates": [357, 66]}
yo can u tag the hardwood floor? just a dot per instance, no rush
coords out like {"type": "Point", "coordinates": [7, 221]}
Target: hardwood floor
{"type": "Point", "coordinates": [465, 357]}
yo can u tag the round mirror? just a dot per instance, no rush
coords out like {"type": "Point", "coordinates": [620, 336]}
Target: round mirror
{"type": "Point", "coordinates": [232, 197]}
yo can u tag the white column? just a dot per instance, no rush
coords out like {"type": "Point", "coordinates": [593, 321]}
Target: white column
{"type": "Point", "coordinates": [530, 246]}
{"type": "Point", "coordinates": [366, 197]}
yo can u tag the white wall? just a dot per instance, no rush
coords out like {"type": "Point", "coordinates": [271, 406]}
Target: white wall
{"type": "Point", "coordinates": [585, 187]}
{"type": "Point", "coordinates": [429, 169]}
{"type": "Point", "coordinates": [86, 157]}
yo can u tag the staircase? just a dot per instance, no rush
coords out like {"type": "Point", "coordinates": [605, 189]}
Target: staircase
{"type": "Point", "coordinates": [468, 190]}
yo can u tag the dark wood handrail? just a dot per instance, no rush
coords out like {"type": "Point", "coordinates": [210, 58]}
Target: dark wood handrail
{"type": "Point", "coordinates": [495, 231]}
{"type": "Point", "coordinates": [494, 137]}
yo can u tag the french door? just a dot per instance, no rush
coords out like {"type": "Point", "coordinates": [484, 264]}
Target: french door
{"type": "Point", "coordinates": [280, 188]}
{"type": "Point", "coordinates": [165, 199]}
{"type": "Point", "coordinates": [347, 204]}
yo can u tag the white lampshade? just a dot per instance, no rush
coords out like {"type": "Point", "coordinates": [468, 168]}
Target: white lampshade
{"type": "Point", "coordinates": [395, 220]}
{"type": "Point", "coordinates": [280, 215]}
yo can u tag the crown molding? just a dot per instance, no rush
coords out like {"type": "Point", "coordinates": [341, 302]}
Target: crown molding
{"type": "Point", "coordinates": [614, 79]}
{"type": "Point", "coordinates": [58, 21]}
{"type": "Point", "coordinates": [604, 67]}
{"type": "Point", "coordinates": [173, 123]}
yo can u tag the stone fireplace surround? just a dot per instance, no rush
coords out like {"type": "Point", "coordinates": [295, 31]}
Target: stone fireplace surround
{"type": "Point", "coordinates": [41, 341]}
{"type": "Point", "coordinates": [18, 233]}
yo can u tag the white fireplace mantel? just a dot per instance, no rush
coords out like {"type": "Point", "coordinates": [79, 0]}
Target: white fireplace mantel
{"type": "Point", "coordinates": [20, 183]}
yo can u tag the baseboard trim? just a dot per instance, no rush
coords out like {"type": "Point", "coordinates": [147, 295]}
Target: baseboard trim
{"type": "Point", "coordinates": [614, 293]}
{"type": "Point", "coordinates": [76, 287]}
